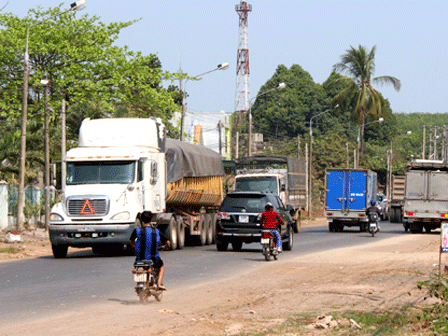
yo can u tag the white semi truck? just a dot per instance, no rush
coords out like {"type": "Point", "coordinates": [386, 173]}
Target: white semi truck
{"type": "Point", "coordinates": [124, 166]}
{"type": "Point", "coordinates": [279, 175]}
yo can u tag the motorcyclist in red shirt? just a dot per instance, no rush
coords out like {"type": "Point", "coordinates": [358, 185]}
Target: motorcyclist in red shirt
{"type": "Point", "coordinates": [270, 220]}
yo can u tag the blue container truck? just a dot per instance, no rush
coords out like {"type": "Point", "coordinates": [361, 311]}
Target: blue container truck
{"type": "Point", "coordinates": [348, 194]}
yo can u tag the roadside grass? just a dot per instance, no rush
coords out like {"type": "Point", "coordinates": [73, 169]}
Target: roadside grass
{"type": "Point", "coordinates": [431, 320]}
{"type": "Point", "coordinates": [11, 249]}
{"type": "Point", "coordinates": [405, 320]}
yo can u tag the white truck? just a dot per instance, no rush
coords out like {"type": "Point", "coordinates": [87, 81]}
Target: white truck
{"type": "Point", "coordinates": [426, 198]}
{"type": "Point", "coordinates": [124, 166]}
{"type": "Point", "coordinates": [282, 176]}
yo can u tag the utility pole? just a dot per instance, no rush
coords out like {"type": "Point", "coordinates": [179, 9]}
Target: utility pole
{"type": "Point", "coordinates": [220, 140]}
{"type": "Point", "coordinates": [63, 149]}
{"type": "Point", "coordinates": [348, 156]}
{"type": "Point", "coordinates": [424, 142]}
{"type": "Point", "coordinates": [45, 82]}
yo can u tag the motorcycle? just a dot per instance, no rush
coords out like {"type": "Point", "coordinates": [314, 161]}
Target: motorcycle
{"type": "Point", "coordinates": [145, 277]}
{"type": "Point", "coordinates": [267, 244]}
{"type": "Point", "coordinates": [373, 223]}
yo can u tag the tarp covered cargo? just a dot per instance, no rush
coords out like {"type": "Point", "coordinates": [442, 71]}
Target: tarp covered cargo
{"type": "Point", "coordinates": [186, 160]}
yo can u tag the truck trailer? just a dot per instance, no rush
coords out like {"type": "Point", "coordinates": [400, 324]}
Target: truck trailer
{"type": "Point", "coordinates": [123, 166]}
{"type": "Point", "coordinates": [279, 175]}
{"type": "Point", "coordinates": [397, 198]}
{"type": "Point", "coordinates": [348, 193]}
{"type": "Point", "coordinates": [426, 198]}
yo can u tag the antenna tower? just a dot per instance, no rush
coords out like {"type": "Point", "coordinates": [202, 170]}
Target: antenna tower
{"type": "Point", "coordinates": [242, 94]}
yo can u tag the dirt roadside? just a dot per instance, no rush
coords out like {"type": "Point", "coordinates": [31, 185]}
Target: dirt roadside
{"type": "Point", "coordinates": [373, 276]}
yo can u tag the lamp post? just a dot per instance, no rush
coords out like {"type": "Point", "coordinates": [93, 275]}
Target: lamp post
{"type": "Point", "coordinates": [279, 87]}
{"type": "Point", "coordinates": [358, 140]}
{"type": "Point", "coordinates": [45, 83]}
{"type": "Point", "coordinates": [77, 5]}
{"type": "Point", "coordinates": [222, 66]}
{"type": "Point", "coordinates": [310, 181]}
{"type": "Point", "coordinates": [389, 184]}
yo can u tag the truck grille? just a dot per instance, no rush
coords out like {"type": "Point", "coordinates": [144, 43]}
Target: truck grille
{"type": "Point", "coordinates": [87, 206]}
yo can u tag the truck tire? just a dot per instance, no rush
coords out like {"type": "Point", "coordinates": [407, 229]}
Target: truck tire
{"type": "Point", "coordinates": [416, 227]}
{"type": "Point", "coordinates": [392, 216]}
{"type": "Point", "coordinates": [364, 227]}
{"type": "Point", "coordinates": [180, 228]}
{"type": "Point", "coordinates": [287, 246]}
{"type": "Point", "coordinates": [209, 228]}
{"type": "Point", "coordinates": [59, 251]}
{"type": "Point", "coordinates": [214, 223]}
{"type": "Point", "coordinates": [202, 238]}
{"type": "Point", "coordinates": [171, 232]}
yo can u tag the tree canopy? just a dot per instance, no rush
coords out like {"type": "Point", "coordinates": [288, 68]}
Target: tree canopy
{"type": "Point", "coordinates": [78, 56]}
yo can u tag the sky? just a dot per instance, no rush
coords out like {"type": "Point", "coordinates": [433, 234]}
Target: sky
{"type": "Point", "coordinates": [411, 38]}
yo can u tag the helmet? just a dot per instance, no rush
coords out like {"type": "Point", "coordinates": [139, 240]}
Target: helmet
{"type": "Point", "coordinates": [372, 202]}
{"type": "Point", "coordinates": [146, 217]}
{"type": "Point", "coordinates": [268, 205]}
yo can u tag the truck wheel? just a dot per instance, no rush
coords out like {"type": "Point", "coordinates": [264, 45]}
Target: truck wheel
{"type": "Point", "coordinates": [209, 231]}
{"type": "Point", "coordinates": [171, 232]}
{"type": "Point", "coordinates": [237, 245]}
{"type": "Point", "coordinates": [289, 244]}
{"type": "Point", "coordinates": [214, 223]}
{"type": "Point", "coordinates": [392, 215]}
{"type": "Point", "coordinates": [416, 227]}
{"type": "Point", "coordinates": [180, 228]}
{"type": "Point", "coordinates": [396, 215]}
{"type": "Point", "coordinates": [59, 251]}
{"type": "Point", "coordinates": [202, 238]}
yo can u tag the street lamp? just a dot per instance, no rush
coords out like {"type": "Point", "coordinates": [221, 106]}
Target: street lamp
{"type": "Point", "coordinates": [77, 5]}
{"type": "Point", "coordinates": [222, 66]}
{"type": "Point", "coordinates": [310, 192]}
{"type": "Point", "coordinates": [359, 139]}
{"type": "Point", "coordinates": [45, 83]}
{"type": "Point", "coordinates": [279, 87]}
{"type": "Point", "coordinates": [389, 185]}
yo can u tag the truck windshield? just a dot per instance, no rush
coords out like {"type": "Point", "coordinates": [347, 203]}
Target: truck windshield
{"type": "Point", "coordinates": [122, 172]}
{"type": "Point", "coordinates": [257, 183]}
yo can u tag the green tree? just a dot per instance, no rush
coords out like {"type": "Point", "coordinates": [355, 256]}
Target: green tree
{"type": "Point", "coordinates": [360, 95]}
{"type": "Point", "coordinates": [84, 67]}
{"type": "Point", "coordinates": [285, 112]}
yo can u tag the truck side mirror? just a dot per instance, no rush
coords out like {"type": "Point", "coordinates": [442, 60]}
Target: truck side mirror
{"type": "Point", "coordinates": [282, 187]}
{"type": "Point", "coordinates": [53, 174]}
{"type": "Point", "coordinates": [153, 169]}
{"type": "Point", "coordinates": [153, 172]}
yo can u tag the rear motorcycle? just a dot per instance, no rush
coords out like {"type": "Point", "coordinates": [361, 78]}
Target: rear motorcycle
{"type": "Point", "coordinates": [145, 278]}
{"type": "Point", "coordinates": [373, 223]}
{"type": "Point", "coordinates": [267, 245]}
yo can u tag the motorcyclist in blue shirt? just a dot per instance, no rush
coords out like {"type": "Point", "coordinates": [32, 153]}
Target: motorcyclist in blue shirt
{"type": "Point", "coordinates": [146, 241]}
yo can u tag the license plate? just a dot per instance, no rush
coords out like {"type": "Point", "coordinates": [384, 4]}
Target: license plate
{"type": "Point", "coordinates": [244, 219]}
{"type": "Point", "coordinates": [140, 277]}
{"type": "Point", "coordinates": [265, 240]}
{"type": "Point", "coordinates": [373, 226]}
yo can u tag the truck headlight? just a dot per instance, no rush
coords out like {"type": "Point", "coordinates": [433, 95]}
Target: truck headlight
{"type": "Point", "coordinates": [56, 218]}
{"type": "Point", "coordinates": [121, 216]}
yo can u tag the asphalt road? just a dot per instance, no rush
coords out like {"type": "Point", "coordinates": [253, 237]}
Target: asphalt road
{"type": "Point", "coordinates": [42, 286]}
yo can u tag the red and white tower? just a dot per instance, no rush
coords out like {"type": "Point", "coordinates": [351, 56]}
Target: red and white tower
{"type": "Point", "coordinates": [242, 94]}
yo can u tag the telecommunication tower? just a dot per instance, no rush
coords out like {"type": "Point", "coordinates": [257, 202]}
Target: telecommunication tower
{"type": "Point", "coordinates": [242, 94]}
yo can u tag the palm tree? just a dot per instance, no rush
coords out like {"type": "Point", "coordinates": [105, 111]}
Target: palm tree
{"type": "Point", "coordinates": [358, 92]}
